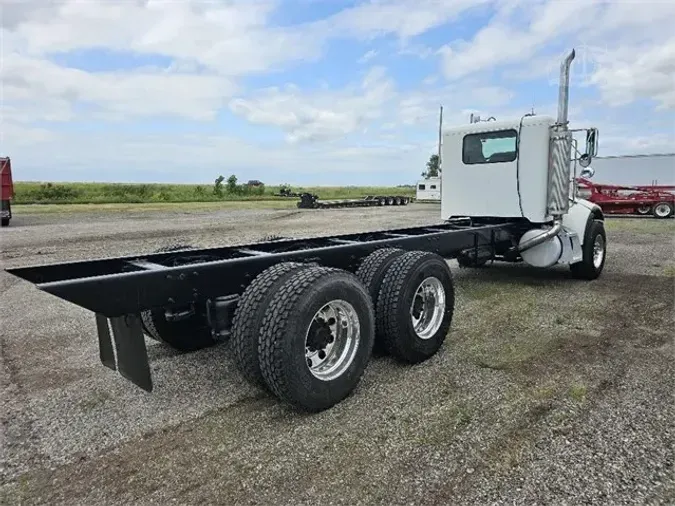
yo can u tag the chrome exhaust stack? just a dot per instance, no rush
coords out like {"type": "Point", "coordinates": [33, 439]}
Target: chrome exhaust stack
{"type": "Point", "coordinates": [564, 88]}
{"type": "Point", "coordinates": [559, 161]}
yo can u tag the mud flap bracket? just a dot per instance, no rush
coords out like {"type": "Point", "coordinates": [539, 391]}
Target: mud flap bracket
{"type": "Point", "coordinates": [122, 348]}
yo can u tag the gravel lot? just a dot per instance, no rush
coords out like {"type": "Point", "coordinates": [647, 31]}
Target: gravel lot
{"type": "Point", "coordinates": [548, 390]}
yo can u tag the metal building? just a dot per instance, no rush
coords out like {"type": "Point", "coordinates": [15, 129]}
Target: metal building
{"type": "Point", "coordinates": [634, 170]}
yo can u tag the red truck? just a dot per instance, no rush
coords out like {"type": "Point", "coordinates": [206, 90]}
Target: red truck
{"type": "Point", "coordinates": [6, 190]}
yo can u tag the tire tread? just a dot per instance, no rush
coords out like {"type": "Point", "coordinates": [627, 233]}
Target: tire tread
{"type": "Point", "coordinates": [387, 310]}
{"type": "Point", "coordinates": [248, 318]}
{"type": "Point", "coordinates": [271, 346]}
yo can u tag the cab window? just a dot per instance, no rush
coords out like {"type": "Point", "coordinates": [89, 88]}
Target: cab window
{"type": "Point", "coordinates": [490, 147]}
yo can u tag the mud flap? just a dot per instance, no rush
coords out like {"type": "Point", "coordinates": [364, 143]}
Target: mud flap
{"type": "Point", "coordinates": [129, 355]}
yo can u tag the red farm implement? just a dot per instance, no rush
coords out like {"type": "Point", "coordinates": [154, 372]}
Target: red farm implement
{"type": "Point", "coordinates": [655, 200]}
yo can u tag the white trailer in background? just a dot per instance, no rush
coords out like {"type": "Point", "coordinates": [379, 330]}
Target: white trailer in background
{"type": "Point", "coordinates": [429, 189]}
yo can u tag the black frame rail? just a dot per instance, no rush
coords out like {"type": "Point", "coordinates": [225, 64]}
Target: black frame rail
{"type": "Point", "coordinates": [119, 289]}
{"type": "Point", "coordinates": [129, 285]}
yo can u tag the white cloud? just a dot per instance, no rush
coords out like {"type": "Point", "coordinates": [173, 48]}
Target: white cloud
{"type": "Point", "coordinates": [321, 116]}
{"type": "Point", "coordinates": [368, 56]}
{"type": "Point", "coordinates": [458, 101]}
{"type": "Point", "coordinates": [329, 114]}
{"type": "Point", "coordinates": [118, 156]}
{"type": "Point", "coordinates": [625, 50]}
{"type": "Point", "coordinates": [623, 76]}
{"type": "Point", "coordinates": [39, 85]}
{"type": "Point", "coordinates": [404, 18]}
{"type": "Point", "coordinates": [419, 50]}
{"type": "Point", "coordinates": [508, 40]}
{"type": "Point", "coordinates": [230, 37]}
{"type": "Point", "coordinates": [429, 80]}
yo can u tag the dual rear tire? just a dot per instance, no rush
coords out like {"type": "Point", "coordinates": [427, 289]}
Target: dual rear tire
{"type": "Point", "coordinates": [306, 333]}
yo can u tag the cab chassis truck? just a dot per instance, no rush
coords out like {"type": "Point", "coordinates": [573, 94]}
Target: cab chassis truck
{"type": "Point", "coordinates": [304, 315]}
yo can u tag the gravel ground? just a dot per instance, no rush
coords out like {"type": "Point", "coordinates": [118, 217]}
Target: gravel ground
{"type": "Point", "coordinates": [548, 390]}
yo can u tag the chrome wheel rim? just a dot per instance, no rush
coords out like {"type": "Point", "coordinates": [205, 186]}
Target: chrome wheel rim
{"type": "Point", "coordinates": [661, 210]}
{"type": "Point", "coordinates": [428, 308]}
{"type": "Point", "coordinates": [598, 251]}
{"type": "Point", "coordinates": [332, 340]}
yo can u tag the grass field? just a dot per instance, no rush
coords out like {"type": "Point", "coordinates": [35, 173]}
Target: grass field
{"type": "Point", "coordinates": [117, 193]}
{"type": "Point", "coordinates": [26, 209]}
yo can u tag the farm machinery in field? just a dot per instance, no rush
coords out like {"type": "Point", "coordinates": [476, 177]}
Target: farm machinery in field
{"type": "Point", "coordinates": [654, 200]}
{"type": "Point", "coordinates": [302, 315]}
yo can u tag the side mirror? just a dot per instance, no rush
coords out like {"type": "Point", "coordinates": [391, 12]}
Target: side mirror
{"type": "Point", "coordinates": [592, 142]}
{"type": "Point", "coordinates": [591, 147]}
{"type": "Point", "coordinates": [588, 172]}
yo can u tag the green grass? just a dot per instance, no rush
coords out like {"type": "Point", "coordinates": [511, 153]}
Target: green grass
{"type": "Point", "coordinates": [25, 209]}
{"type": "Point", "coordinates": [639, 225]}
{"type": "Point", "coordinates": [578, 392]}
{"type": "Point", "coordinates": [116, 193]}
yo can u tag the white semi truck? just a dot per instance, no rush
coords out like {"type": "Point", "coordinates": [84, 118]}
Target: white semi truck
{"type": "Point", "coordinates": [302, 315]}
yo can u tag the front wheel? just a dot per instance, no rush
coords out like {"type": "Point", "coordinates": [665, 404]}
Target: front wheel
{"type": "Point", "coordinates": [594, 252]}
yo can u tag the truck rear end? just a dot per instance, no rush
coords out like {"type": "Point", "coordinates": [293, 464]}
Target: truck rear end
{"type": "Point", "coordinates": [6, 190]}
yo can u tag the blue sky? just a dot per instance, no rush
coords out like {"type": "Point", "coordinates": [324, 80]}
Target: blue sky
{"type": "Point", "coordinates": [313, 92]}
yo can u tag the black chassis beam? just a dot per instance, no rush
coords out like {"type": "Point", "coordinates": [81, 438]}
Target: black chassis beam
{"type": "Point", "coordinates": [119, 289]}
{"type": "Point", "coordinates": [128, 285]}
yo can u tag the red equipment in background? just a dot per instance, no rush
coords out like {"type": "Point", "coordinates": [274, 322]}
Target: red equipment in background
{"type": "Point", "coordinates": [655, 200]}
{"type": "Point", "coordinates": [6, 190]}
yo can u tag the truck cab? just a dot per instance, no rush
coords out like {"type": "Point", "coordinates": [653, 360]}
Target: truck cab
{"type": "Point", "coordinates": [497, 168]}
{"type": "Point", "coordinates": [524, 170]}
